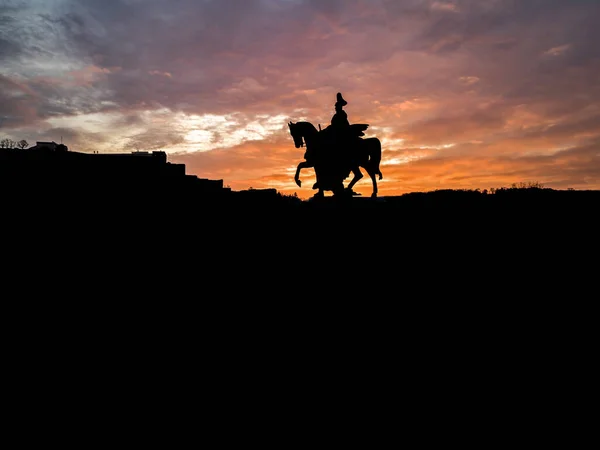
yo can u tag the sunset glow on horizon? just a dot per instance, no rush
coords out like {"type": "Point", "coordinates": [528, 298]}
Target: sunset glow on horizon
{"type": "Point", "coordinates": [463, 94]}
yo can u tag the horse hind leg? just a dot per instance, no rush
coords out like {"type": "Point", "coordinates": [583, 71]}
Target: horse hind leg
{"type": "Point", "coordinates": [357, 176]}
{"type": "Point", "coordinates": [376, 170]}
{"type": "Point", "coordinates": [372, 172]}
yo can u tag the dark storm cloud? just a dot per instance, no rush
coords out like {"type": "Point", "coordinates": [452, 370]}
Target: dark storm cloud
{"type": "Point", "coordinates": [525, 50]}
{"type": "Point", "coordinates": [28, 30]}
{"type": "Point", "coordinates": [9, 26]}
{"type": "Point", "coordinates": [499, 24]}
{"type": "Point", "coordinates": [204, 46]}
{"type": "Point", "coordinates": [17, 103]}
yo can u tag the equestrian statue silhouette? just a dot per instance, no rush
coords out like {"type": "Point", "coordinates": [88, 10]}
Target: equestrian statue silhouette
{"type": "Point", "coordinates": [336, 151]}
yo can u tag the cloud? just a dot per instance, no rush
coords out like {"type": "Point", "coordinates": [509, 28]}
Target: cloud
{"type": "Point", "coordinates": [557, 51]}
{"type": "Point", "coordinates": [470, 86]}
{"type": "Point", "coordinates": [444, 6]}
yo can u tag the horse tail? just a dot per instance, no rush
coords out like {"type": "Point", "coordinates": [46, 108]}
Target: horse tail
{"type": "Point", "coordinates": [375, 155]}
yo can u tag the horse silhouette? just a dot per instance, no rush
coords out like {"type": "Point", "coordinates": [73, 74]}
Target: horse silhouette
{"type": "Point", "coordinates": [332, 167]}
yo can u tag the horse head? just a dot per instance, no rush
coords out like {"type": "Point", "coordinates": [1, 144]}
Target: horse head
{"type": "Point", "coordinates": [296, 134]}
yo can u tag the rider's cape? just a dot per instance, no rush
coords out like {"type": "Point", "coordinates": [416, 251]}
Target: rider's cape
{"type": "Point", "coordinates": [357, 129]}
{"type": "Point", "coordinates": [354, 130]}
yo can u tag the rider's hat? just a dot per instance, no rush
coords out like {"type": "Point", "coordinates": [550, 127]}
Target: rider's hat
{"type": "Point", "coordinates": [340, 100]}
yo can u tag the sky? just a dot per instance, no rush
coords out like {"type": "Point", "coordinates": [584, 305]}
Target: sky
{"type": "Point", "coordinates": [463, 94]}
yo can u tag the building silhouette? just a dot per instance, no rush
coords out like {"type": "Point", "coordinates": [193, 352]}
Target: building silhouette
{"type": "Point", "coordinates": [50, 165]}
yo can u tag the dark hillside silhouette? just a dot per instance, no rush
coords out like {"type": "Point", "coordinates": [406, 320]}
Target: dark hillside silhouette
{"type": "Point", "coordinates": [57, 176]}
{"type": "Point", "coordinates": [117, 200]}
{"type": "Point", "coordinates": [163, 243]}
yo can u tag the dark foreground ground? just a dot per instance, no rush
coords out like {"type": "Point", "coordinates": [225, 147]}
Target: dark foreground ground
{"type": "Point", "coordinates": [255, 227]}
{"type": "Point", "coordinates": [451, 286]}
{"type": "Point", "coordinates": [109, 211]}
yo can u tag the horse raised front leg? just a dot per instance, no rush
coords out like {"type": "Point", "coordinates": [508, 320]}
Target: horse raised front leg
{"type": "Point", "coordinates": [302, 165]}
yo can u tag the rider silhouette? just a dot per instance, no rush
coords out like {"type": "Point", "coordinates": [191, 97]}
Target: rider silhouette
{"type": "Point", "coordinates": [339, 134]}
{"type": "Point", "coordinates": [340, 126]}
{"type": "Point", "coordinates": [339, 121]}
{"type": "Point", "coordinates": [338, 155]}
